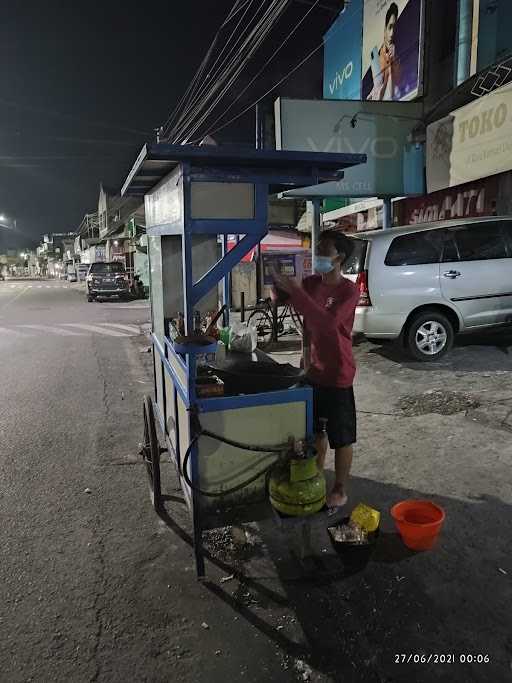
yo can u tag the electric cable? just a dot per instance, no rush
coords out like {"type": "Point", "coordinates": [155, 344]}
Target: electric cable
{"type": "Point", "coordinates": [330, 36]}
{"type": "Point", "coordinates": [53, 113]}
{"type": "Point", "coordinates": [192, 90]}
{"type": "Point", "coordinates": [285, 41]}
{"type": "Point", "coordinates": [250, 46]}
{"type": "Point", "coordinates": [221, 72]}
{"type": "Point", "coordinates": [270, 90]}
{"type": "Point", "coordinates": [225, 73]}
{"type": "Point", "coordinates": [260, 35]}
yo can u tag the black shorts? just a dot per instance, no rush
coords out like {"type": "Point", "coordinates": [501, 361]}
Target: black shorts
{"type": "Point", "coordinates": [338, 407]}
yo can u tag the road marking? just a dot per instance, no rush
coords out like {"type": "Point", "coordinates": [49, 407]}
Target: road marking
{"type": "Point", "coordinates": [39, 286]}
{"type": "Point", "coordinates": [97, 329]}
{"type": "Point", "coordinates": [15, 332]}
{"type": "Point", "coordinates": [54, 330]}
{"type": "Point", "coordinates": [16, 296]}
{"type": "Point", "coordinates": [129, 328]}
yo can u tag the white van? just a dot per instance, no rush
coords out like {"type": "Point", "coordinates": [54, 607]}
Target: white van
{"type": "Point", "coordinates": [427, 283]}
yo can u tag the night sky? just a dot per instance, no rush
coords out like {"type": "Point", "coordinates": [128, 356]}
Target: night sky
{"type": "Point", "coordinates": [84, 84]}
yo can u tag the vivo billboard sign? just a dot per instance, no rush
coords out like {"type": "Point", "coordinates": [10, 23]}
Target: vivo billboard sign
{"type": "Point", "coordinates": [342, 54]}
{"type": "Point", "coordinates": [381, 130]}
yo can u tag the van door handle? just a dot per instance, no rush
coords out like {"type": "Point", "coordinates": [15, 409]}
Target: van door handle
{"type": "Point", "coordinates": [452, 274]}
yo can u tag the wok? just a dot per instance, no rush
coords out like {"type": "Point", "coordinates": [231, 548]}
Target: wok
{"type": "Point", "coordinates": [248, 377]}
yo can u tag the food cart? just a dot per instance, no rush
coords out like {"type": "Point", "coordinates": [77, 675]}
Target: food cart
{"type": "Point", "coordinates": [222, 446]}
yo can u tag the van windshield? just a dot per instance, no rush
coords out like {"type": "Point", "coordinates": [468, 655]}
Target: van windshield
{"type": "Point", "coordinates": [355, 262]}
{"type": "Point", "coordinates": [114, 267]}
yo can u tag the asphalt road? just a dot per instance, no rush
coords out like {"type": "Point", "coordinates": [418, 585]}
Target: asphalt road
{"type": "Point", "coordinates": [60, 417]}
{"type": "Point", "coordinates": [95, 587]}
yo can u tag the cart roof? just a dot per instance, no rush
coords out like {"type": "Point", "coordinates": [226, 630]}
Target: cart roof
{"type": "Point", "coordinates": [155, 161]}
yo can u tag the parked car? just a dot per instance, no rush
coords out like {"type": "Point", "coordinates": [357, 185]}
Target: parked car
{"type": "Point", "coordinates": [71, 276]}
{"type": "Point", "coordinates": [82, 270]}
{"type": "Point", "coordinates": [424, 284]}
{"type": "Point", "coordinates": [106, 280]}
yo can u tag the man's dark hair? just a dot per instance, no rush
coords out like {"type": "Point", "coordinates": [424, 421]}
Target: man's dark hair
{"type": "Point", "coordinates": [342, 243]}
{"type": "Point", "coordinates": [392, 11]}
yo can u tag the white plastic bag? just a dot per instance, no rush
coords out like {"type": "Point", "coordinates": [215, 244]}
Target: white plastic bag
{"type": "Point", "coordinates": [243, 338]}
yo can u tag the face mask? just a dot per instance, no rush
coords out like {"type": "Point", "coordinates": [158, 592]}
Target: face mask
{"type": "Point", "coordinates": [323, 265]}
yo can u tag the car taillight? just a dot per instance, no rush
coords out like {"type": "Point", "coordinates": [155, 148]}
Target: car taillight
{"type": "Point", "coordinates": [362, 285]}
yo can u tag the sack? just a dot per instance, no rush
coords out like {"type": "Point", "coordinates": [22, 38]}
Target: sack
{"type": "Point", "coordinates": [243, 338]}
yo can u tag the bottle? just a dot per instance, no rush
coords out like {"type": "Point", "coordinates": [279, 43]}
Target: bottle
{"type": "Point", "coordinates": [173, 330]}
{"type": "Point", "coordinates": [181, 325]}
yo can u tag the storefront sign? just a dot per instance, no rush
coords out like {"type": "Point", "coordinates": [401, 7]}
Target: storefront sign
{"type": "Point", "coordinates": [342, 54]}
{"type": "Point", "coordinates": [392, 49]}
{"type": "Point", "coordinates": [474, 142]}
{"type": "Point", "coordinates": [381, 130]}
{"type": "Point", "coordinates": [470, 200]}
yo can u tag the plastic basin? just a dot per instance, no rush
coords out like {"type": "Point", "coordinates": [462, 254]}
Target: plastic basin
{"type": "Point", "coordinates": [418, 522]}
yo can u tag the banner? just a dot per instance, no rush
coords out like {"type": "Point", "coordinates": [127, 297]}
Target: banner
{"type": "Point", "coordinates": [392, 49]}
{"type": "Point", "coordinates": [342, 54]}
{"type": "Point", "coordinates": [475, 199]}
{"type": "Point", "coordinates": [473, 142]}
{"type": "Point", "coordinates": [381, 130]}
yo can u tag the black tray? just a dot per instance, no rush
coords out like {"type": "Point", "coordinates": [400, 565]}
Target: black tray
{"type": "Point", "coordinates": [355, 556]}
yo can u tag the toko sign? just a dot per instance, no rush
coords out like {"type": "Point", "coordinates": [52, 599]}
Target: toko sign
{"type": "Point", "coordinates": [473, 142]}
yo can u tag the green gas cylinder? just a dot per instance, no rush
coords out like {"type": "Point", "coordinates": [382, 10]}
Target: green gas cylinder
{"type": "Point", "coordinates": [297, 488]}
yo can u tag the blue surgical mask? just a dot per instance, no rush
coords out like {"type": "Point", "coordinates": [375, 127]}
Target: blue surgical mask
{"type": "Point", "coordinates": [323, 264]}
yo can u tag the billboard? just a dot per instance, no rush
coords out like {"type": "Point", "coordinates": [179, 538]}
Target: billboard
{"type": "Point", "coordinates": [342, 54]}
{"type": "Point", "coordinates": [473, 142]}
{"type": "Point", "coordinates": [381, 130]}
{"type": "Point", "coordinates": [392, 49]}
{"type": "Point", "coordinates": [494, 27]}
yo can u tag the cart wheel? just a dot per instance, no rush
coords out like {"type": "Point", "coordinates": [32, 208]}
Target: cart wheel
{"type": "Point", "coordinates": [151, 452]}
{"type": "Point", "coordinates": [262, 321]}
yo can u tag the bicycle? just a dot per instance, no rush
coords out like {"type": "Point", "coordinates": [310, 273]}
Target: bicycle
{"type": "Point", "coordinates": [269, 320]}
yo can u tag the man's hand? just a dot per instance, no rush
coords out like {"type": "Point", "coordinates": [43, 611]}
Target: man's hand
{"type": "Point", "coordinates": [285, 283]}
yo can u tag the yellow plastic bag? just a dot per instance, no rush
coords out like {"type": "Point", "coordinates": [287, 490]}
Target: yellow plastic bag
{"type": "Point", "coordinates": [366, 517]}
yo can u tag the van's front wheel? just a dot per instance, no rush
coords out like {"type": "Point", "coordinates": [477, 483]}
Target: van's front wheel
{"type": "Point", "coordinates": [429, 336]}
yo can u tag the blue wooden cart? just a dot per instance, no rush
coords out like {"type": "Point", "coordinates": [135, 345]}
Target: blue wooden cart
{"type": "Point", "coordinates": [194, 197]}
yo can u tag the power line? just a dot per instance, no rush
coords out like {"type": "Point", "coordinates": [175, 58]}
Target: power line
{"type": "Point", "coordinates": [215, 69]}
{"type": "Point", "coordinates": [71, 117]}
{"type": "Point", "coordinates": [250, 46]}
{"type": "Point", "coordinates": [192, 87]}
{"type": "Point", "coordinates": [270, 59]}
{"type": "Point", "coordinates": [270, 90]}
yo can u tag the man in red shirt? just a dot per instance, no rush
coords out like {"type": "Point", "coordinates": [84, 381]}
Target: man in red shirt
{"type": "Point", "coordinates": [328, 302]}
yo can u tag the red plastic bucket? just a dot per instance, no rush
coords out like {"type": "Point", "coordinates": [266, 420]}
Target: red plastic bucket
{"type": "Point", "coordinates": [419, 522]}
